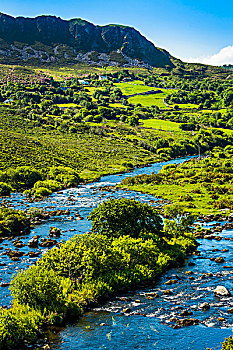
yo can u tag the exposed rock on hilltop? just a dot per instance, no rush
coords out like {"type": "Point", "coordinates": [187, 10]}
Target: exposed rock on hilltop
{"type": "Point", "coordinates": [51, 39]}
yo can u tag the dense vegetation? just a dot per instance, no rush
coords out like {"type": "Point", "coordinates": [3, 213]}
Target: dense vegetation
{"type": "Point", "coordinates": [62, 126]}
{"type": "Point", "coordinates": [58, 129]}
{"type": "Point", "coordinates": [201, 186]}
{"type": "Point", "coordinates": [89, 268]}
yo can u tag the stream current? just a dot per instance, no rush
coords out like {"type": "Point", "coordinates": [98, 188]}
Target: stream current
{"type": "Point", "coordinates": [147, 324]}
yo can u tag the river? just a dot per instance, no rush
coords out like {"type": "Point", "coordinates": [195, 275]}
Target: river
{"type": "Point", "coordinates": [148, 324]}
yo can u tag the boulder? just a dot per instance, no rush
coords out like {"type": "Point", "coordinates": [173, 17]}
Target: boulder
{"type": "Point", "coordinates": [47, 242]}
{"type": "Point", "coordinates": [54, 232]}
{"type": "Point", "coordinates": [185, 322]}
{"type": "Point", "coordinates": [126, 310]}
{"type": "Point", "coordinates": [186, 313]}
{"type": "Point", "coordinates": [33, 243]}
{"type": "Point", "coordinates": [221, 291]}
{"type": "Point", "coordinates": [205, 306]}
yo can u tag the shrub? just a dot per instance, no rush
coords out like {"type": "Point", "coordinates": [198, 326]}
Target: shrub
{"type": "Point", "coordinates": [49, 184]}
{"type": "Point", "coordinates": [228, 344]}
{"type": "Point", "coordinates": [17, 325]}
{"type": "Point", "coordinates": [24, 176]}
{"type": "Point", "coordinates": [223, 203]}
{"type": "Point", "coordinates": [66, 175]}
{"type": "Point", "coordinates": [5, 189]}
{"type": "Point", "coordinates": [38, 288]}
{"type": "Point", "coordinates": [125, 217]}
{"type": "Point", "coordinates": [13, 221]}
{"type": "Point", "coordinates": [41, 192]}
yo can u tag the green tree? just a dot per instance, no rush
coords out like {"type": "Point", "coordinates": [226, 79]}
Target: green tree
{"type": "Point", "coordinates": [228, 97]}
{"type": "Point", "coordinates": [181, 222]}
{"type": "Point", "coordinates": [125, 217]}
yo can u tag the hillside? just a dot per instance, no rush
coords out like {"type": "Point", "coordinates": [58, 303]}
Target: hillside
{"type": "Point", "coordinates": [50, 39]}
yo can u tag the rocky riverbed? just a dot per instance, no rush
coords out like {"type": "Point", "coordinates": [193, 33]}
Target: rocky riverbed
{"type": "Point", "coordinates": [190, 307]}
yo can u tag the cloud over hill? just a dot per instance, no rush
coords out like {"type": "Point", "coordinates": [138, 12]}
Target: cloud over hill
{"type": "Point", "coordinates": [224, 56]}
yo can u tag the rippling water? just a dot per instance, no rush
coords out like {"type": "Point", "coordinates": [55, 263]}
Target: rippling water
{"type": "Point", "coordinates": [148, 323]}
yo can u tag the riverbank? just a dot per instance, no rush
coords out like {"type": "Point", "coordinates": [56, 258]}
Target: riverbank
{"type": "Point", "coordinates": [199, 186]}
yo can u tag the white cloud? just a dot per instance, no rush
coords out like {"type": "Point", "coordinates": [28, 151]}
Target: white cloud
{"type": "Point", "coordinates": [224, 56]}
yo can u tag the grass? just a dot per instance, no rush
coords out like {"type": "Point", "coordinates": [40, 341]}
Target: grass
{"type": "Point", "coordinates": [151, 100]}
{"type": "Point", "coordinates": [67, 105]}
{"type": "Point", "coordinates": [117, 104]}
{"type": "Point", "coordinates": [185, 105]}
{"type": "Point", "coordinates": [172, 193]}
{"type": "Point", "coordinates": [161, 124]}
{"type": "Point", "coordinates": [130, 89]}
{"type": "Point", "coordinates": [200, 186]}
{"type": "Point", "coordinates": [226, 131]}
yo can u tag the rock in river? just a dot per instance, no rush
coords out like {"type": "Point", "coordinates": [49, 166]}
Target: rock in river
{"type": "Point", "coordinates": [185, 322]}
{"type": "Point", "coordinates": [221, 291]}
{"type": "Point", "coordinates": [204, 306]}
{"type": "Point", "coordinates": [33, 243]}
{"type": "Point", "coordinates": [54, 232]}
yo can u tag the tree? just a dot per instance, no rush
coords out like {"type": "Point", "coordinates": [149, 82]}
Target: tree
{"type": "Point", "coordinates": [133, 120]}
{"type": "Point", "coordinates": [181, 222]}
{"type": "Point", "coordinates": [228, 97]}
{"type": "Point", "coordinates": [119, 217]}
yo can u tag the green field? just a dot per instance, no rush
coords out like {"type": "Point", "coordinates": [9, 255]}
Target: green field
{"type": "Point", "coordinates": [67, 105]}
{"type": "Point", "coordinates": [149, 100]}
{"type": "Point", "coordinates": [185, 105]}
{"type": "Point", "coordinates": [161, 124]}
{"type": "Point", "coordinates": [130, 88]}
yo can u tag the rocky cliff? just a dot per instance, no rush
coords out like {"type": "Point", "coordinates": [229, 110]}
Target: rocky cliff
{"type": "Point", "coordinates": [51, 39]}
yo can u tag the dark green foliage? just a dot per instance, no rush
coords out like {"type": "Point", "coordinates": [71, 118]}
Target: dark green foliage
{"type": "Point", "coordinates": [21, 177]}
{"type": "Point", "coordinates": [5, 189]}
{"type": "Point", "coordinates": [13, 221]}
{"type": "Point", "coordinates": [125, 217]}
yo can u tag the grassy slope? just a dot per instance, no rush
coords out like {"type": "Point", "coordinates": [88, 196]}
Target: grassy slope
{"type": "Point", "coordinates": [197, 185]}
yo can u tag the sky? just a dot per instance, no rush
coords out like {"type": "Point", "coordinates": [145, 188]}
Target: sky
{"type": "Point", "coordinates": [194, 30]}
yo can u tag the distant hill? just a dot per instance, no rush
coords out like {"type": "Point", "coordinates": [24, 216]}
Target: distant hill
{"type": "Point", "coordinates": [51, 39]}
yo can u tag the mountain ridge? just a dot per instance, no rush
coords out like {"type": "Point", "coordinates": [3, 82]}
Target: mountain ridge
{"type": "Point", "coordinates": [52, 39]}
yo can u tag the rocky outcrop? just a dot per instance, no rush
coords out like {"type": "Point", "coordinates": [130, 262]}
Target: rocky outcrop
{"type": "Point", "coordinates": [50, 39]}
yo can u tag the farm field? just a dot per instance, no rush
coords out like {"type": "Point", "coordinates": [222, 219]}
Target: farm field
{"type": "Point", "coordinates": [161, 124]}
{"type": "Point", "coordinates": [130, 88]}
{"type": "Point", "coordinates": [149, 100]}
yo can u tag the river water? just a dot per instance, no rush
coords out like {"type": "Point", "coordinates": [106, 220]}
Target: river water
{"type": "Point", "coordinates": [149, 323]}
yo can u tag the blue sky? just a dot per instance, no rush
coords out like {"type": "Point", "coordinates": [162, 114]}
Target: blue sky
{"type": "Point", "coordinates": [195, 30]}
